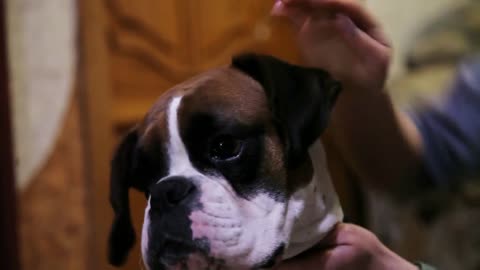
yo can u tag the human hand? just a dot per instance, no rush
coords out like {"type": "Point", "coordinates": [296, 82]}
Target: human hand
{"type": "Point", "coordinates": [348, 247]}
{"type": "Point", "coordinates": [341, 37]}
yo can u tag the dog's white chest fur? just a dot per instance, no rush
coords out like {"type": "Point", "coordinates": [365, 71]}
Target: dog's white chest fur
{"type": "Point", "coordinates": [314, 209]}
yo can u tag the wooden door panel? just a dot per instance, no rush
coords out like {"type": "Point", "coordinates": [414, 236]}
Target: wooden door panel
{"type": "Point", "coordinates": [222, 28]}
{"type": "Point", "coordinates": [158, 17]}
{"type": "Point", "coordinates": [156, 44]}
{"type": "Point", "coordinates": [147, 52]}
{"type": "Point", "coordinates": [156, 27]}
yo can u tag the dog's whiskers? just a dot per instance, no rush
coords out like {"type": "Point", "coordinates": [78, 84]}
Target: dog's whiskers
{"type": "Point", "coordinates": [215, 215]}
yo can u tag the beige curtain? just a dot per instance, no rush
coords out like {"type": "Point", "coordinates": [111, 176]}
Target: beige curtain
{"type": "Point", "coordinates": [41, 43]}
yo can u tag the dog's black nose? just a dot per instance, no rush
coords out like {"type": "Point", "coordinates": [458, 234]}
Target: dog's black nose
{"type": "Point", "coordinates": [171, 192]}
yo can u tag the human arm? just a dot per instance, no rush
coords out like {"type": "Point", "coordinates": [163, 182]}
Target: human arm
{"type": "Point", "coordinates": [379, 142]}
{"type": "Point", "coordinates": [363, 120]}
{"type": "Point", "coordinates": [450, 130]}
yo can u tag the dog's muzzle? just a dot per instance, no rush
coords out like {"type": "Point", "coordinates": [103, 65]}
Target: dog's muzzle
{"type": "Point", "coordinates": [200, 223]}
{"type": "Point", "coordinates": [169, 237]}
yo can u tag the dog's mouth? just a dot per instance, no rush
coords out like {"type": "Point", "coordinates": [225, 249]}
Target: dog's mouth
{"type": "Point", "coordinates": [199, 260]}
{"type": "Point", "coordinates": [181, 255]}
{"type": "Point", "coordinates": [175, 253]}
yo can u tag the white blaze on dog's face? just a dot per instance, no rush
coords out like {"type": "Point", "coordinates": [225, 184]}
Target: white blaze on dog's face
{"type": "Point", "coordinates": [229, 181]}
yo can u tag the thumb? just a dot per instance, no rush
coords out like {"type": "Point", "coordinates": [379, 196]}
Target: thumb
{"type": "Point", "coordinates": [336, 237]}
{"type": "Point", "coordinates": [322, 255]}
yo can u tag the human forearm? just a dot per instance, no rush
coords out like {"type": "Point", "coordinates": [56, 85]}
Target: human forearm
{"type": "Point", "coordinates": [343, 38]}
{"type": "Point", "coordinates": [379, 142]}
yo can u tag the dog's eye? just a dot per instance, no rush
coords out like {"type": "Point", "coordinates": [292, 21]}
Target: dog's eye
{"type": "Point", "coordinates": [224, 147]}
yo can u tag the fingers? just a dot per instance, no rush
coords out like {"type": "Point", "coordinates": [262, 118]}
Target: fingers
{"type": "Point", "coordinates": [335, 237]}
{"type": "Point", "coordinates": [334, 251]}
{"type": "Point", "coordinates": [351, 8]}
{"type": "Point", "coordinates": [364, 44]}
{"type": "Point", "coordinates": [297, 14]}
{"type": "Point", "coordinates": [319, 260]}
{"type": "Point", "coordinates": [344, 234]}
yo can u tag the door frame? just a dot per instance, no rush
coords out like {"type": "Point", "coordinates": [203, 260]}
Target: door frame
{"type": "Point", "coordinates": [93, 82]}
{"type": "Point", "coordinates": [9, 255]}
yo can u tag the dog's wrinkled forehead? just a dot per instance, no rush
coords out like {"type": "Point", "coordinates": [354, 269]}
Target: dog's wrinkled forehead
{"type": "Point", "coordinates": [221, 93]}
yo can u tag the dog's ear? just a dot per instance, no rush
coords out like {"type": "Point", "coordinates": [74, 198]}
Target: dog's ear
{"type": "Point", "coordinates": [300, 100]}
{"type": "Point", "coordinates": [122, 235]}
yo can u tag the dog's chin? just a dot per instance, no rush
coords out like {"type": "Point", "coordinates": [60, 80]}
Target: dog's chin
{"type": "Point", "coordinates": [200, 261]}
{"type": "Point", "coordinates": [197, 261]}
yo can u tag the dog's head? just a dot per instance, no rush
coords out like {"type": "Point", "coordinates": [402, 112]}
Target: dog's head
{"type": "Point", "coordinates": [226, 162]}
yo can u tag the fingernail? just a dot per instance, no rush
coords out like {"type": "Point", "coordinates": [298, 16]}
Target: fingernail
{"type": "Point", "coordinates": [277, 8]}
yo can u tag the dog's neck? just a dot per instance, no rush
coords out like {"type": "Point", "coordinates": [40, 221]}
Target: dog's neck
{"type": "Point", "coordinates": [314, 209]}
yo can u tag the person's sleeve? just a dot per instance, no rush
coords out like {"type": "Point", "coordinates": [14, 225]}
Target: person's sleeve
{"type": "Point", "coordinates": [451, 131]}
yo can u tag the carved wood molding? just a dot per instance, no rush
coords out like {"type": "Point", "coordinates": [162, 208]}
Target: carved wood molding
{"type": "Point", "coordinates": [129, 36]}
{"type": "Point", "coordinates": [149, 52]}
{"type": "Point", "coordinates": [227, 28]}
{"type": "Point", "coordinates": [145, 53]}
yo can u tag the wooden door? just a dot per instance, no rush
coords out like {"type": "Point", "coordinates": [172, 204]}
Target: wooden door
{"type": "Point", "coordinates": [155, 44]}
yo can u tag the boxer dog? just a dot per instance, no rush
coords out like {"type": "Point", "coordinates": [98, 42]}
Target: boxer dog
{"type": "Point", "coordinates": [233, 168]}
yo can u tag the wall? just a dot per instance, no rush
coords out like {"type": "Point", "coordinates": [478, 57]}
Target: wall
{"type": "Point", "coordinates": [435, 226]}
{"type": "Point", "coordinates": [404, 19]}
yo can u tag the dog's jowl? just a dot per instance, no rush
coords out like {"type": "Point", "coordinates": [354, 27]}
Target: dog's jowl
{"type": "Point", "coordinates": [232, 167]}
